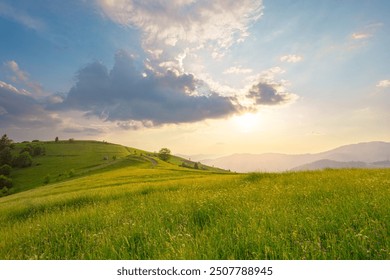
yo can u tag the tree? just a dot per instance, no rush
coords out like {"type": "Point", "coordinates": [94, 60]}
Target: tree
{"type": "Point", "coordinates": [5, 170]}
{"type": "Point", "coordinates": [164, 154]}
{"type": "Point", "coordinates": [5, 156]}
{"type": "Point", "coordinates": [56, 140]}
{"type": "Point", "coordinates": [5, 182]}
{"type": "Point", "coordinates": [5, 142]}
{"type": "Point", "coordinates": [23, 160]}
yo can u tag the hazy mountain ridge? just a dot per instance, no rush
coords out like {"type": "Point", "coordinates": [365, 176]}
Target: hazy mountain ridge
{"type": "Point", "coordinates": [363, 155]}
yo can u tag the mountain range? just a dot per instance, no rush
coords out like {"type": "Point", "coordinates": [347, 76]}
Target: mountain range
{"type": "Point", "coordinates": [374, 154]}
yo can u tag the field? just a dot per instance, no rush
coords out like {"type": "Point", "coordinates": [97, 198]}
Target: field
{"type": "Point", "coordinates": [135, 209]}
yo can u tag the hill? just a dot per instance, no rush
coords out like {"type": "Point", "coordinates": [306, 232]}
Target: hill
{"type": "Point", "coordinates": [65, 160]}
{"type": "Point", "coordinates": [273, 162]}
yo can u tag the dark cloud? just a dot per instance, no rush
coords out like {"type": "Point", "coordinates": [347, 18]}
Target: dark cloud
{"type": "Point", "coordinates": [19, 109]}
{"type": "Point", "coordinates": [267, 94]}
{"type": "Point", "coordinates": [133, 96]}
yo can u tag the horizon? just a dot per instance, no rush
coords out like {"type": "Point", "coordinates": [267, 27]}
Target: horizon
{"type": "Point", "coordinates": [217, 78]}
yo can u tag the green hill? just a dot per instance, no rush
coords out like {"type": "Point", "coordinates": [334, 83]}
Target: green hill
{"type": "Point", "coordinates": [139, 207]}
{"type": "Point", "coordinates": [64, 160]}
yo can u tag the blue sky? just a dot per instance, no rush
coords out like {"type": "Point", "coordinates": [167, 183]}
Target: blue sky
{"type": "Point", "coordinates": [225, 76]}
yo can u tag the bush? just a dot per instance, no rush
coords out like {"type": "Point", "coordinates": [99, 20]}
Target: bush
{"type": "Point", "coordinates": [5, 182]}
{"type": "Point", "coordinates": [23, 160]}
{"type": "Point", "coordinates": [6, 156]}
{"type": "Point", "coordinates": [5, 170]}
{"type": "Point", "coordinates": [4, 191]}
{"type": "Point", "coordinates": [46, 180]}
{"type": "Point", "coordinates": [71, 173]}
{"type": "Point", "coordinates": [38, 151]}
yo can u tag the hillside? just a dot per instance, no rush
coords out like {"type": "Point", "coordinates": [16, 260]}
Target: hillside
{"type": "Point", "coordinates": [367, 153]}
{"type": "Point", "coordinates": [65, 160]}
{"type": "Point", "coordinates": [140, 212]}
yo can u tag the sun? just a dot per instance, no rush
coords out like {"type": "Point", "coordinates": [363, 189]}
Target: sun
{"type": "Point", "coordinates": [246, 123]}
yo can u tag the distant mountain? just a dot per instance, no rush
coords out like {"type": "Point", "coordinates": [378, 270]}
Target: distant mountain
{"type": "Point", "coordinates": [327, 163]}
{"type": "Point", "coordinates": [355, 155]}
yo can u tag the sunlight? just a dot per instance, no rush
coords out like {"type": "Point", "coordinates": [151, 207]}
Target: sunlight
{"type": "Point", "coordinates": [246, 123]}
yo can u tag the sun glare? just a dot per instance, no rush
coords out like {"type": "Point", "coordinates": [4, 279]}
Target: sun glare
{"type": "Point", "coordinates": [246, 123]}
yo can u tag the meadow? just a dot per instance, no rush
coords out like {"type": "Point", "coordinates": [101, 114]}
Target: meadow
{"type": "Point", "coordinates": [133, 209]}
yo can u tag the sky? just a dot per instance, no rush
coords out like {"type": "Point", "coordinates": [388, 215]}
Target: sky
{"type": "Point", "coordinates": [199, 77]}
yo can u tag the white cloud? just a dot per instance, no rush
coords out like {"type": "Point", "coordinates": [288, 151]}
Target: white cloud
{"type": "Point", "coordinates": [383, 84]}
{"type": "Point", "coordinates": [237, 70]}
{"type": "Point", "coordinates": [366, 31]}
{"type": "Point", "coordinates": [169, 23]}
{"type": "Point", "coordinates": [359, 36]}
{"type": "Point", "coordinates": [20, 76]}
{"type": "Point", "coordinates": [292, 58]}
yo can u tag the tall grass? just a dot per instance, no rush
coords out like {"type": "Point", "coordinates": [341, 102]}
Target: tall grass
{"type": "Point", "coordinates": [145, 213]}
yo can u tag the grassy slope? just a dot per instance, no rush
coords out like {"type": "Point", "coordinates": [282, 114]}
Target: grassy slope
{"type": "Point", "coordinates": [64, 160]}
{"type": "Point", "coordinates": [139, 211]}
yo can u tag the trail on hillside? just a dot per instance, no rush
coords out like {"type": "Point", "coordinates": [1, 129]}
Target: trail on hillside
{"type": "Point", "coordinates": [152, 160]}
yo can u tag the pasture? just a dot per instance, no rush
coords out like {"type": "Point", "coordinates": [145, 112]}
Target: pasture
{"type": "Point", "coordinates": [134, 210]}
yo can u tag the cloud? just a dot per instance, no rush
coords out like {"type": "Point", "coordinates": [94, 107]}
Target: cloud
{"type": "Point", "coordinates": [383, 84]}
{"type": "Point", "coordinates": [366, 31]}
{"type": "Point", "coordinates": [237, 70]}
{"type": "Point", "coordinates": [134, 97]}
{"type": "Point", "coordinates": [19, 76]}
{"type": "Point", "coordinates": [292, 58]}
{"type": "Point", "coordinates": [19, 109]}
{"type": "Point", "coordinates": [21, 17]}
{"type": "Point", "coordinates": [359, 36]}
{"type": "Point", "coordinates": [169, 23]}
{"type": "Point", "coordinates": [270, 94]}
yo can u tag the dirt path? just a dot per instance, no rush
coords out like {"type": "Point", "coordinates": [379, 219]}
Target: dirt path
{"type": "Point", "coordinates": [152, 160]}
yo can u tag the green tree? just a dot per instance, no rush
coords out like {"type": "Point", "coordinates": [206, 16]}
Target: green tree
{"type": "Point", "coordinates": [56, 140]}
{"type": "Point", "coordinates": [5, 142]}
{"type": "Point", "coordinates": [5, 182]}
{"type": "Point", "coordinates": [23, 160]}
{"type": "Point", "coordinates": [164, 154]}
{"type": "Point", "coordinates": [5, 170]}
{"type": "Point", "coordinates": [6, 156]}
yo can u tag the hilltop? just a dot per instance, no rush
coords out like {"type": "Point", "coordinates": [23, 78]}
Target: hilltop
{"type": "Point", "coordinates": [64, 160]}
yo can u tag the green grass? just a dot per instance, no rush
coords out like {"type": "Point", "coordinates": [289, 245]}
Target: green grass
{"type": "Point", "coordinates": [140, 211]}
{"type": "Point", "coordinates": [63, 160]}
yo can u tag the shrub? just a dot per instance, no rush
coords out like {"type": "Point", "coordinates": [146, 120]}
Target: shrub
{"type": "Point", "coordinates": [71, 173]}
{"type": "Point", "coordinates": [5, 182]}
{"type": "Point", "coordinates": [5, 170]}
{"type": "Point", "coordinates": [38, 150]}
{"type": "Point", "coordinates": [4, 191]}
{"type": "Point", "coordinates": [23, 160]}
{"type": "Point", "coordinates": [46, 180]}
{"type": "Point", "coordinates": [5, 156]}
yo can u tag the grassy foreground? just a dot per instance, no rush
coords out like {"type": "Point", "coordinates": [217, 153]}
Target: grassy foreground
{"type": "Point", "coordinates": [140, 212]}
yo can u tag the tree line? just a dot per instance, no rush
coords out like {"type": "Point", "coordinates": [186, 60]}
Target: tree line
{"type": "Point", "coordinates": [11, 157]}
